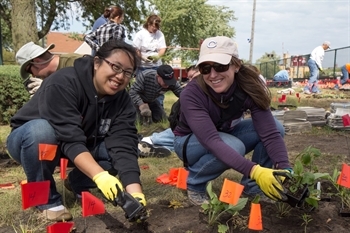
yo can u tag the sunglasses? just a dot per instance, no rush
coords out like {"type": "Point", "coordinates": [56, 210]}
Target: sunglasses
{"type": "Point", "coordinates": [206, 68]}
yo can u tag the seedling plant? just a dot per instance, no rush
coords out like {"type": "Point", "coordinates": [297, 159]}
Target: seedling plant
{"type": "Point", "coordinates": [215, 209]}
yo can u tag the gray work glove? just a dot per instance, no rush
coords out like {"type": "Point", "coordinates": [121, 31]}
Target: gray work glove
{"type": "Point", "coordinates": [33, 85]}
{"type": "Point", "coordinates": [144, 110]}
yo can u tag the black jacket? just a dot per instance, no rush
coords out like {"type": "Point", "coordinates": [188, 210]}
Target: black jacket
{"type": "Point", "coordinates": [68, 100]}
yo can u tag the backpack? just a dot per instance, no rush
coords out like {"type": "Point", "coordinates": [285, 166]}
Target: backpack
{"type": "Point", "coordinates": [234, 109]}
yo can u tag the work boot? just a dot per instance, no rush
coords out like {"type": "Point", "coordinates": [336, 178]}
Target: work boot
{"type": "Point", "coordinates": [148, 150]}
{"type": "Point", "coordinates": [60, 215]}
{"type": "Point", "coordinates": [197, 198]}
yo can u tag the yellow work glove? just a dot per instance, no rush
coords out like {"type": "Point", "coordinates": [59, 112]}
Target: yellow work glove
{"type": "Point", "coordinates": [268, 183]}
{"type": "Point", "coordinates": [107, 184]}
{"type": "Point", "coordinates": [140, 197]}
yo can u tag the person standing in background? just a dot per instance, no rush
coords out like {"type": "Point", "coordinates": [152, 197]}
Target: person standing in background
{"type": "Point", "coordinates": [315, 66]}
{"type": "Point", "coordinates": [151, 46]}
{"type": "Point", "coordinates": [345, 69]}
{"type": "Point", "coordinates": [110, 30]}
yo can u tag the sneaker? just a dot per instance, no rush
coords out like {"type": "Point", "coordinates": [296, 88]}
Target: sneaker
{"type": "Point", "coordinates": [197, 198]}
{"type": "Point", "coordinates": [148, 150]}
{"type": "Point", "coordinates": [307, 92]}
{"type": "Point", "coordinates": [61, 215]}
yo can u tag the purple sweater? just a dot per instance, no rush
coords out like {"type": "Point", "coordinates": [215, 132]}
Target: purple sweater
{"type": "Point", "coordinates": [199, 115]}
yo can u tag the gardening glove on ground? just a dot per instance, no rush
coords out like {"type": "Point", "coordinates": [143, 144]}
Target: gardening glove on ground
{"type": "Point", "coordinates": [268, 183]}
{"type": "Point", "coordinates": [140, 197]}
{"type": "Point", "coordinates": [145, 111]}
{"type": "Point", "coordinates": [33, 85]}
{"type": "Point", "coordinates": [107, 184]}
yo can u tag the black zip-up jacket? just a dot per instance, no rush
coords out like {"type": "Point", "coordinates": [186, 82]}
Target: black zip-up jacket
{"type": "Point", "coordinates": [68, 101]}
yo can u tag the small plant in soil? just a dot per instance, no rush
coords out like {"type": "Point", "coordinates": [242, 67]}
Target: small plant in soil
{"type": "Point", "coordinates": [306, 220]}
{"type": "Point", "coordinates": [342, 192]}
{"type": "Point", "coordinates": [283, 209]}
{"type": "Point", "coordinates": [215, 209]}
{"type": "Point", "coordinates": [302, 183]}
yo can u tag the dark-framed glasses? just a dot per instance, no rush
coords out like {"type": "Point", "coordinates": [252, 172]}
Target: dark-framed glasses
{"type": "Point", "coordinates": [206, 68]}
{"type": "Point", "coordinates": [118, 70]}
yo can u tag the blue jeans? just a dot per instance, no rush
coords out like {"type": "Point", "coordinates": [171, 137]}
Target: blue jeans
{"type": "Point", "coordinates": [345, 77]}
{"type": "Point", "coordinates": [313, 79]}
{"type": "Point", "coordinates": [164, 138]}
{"type": "Point", "coordinates": [204, 166]}
{"type": "Point", "coordinates": [22, 145]}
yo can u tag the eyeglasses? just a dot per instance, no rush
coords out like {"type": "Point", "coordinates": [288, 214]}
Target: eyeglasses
{"type": "Point", "coordinates": [118, 70]}
{"type": "Point", "coordinates": [206, 68]}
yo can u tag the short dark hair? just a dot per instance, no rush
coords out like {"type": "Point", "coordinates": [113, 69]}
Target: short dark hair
{"type": "Point", "coordinates": [116, 44]}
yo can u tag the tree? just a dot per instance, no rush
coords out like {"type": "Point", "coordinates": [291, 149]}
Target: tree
{"type": "Point", "coordinates": [269, 64]}
{"type": "Point", "coordinates": [21, 16]}
{"type": "Point", "coordinates": [186, 22]}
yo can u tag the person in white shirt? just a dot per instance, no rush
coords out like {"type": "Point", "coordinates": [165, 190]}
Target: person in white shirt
{"type": "Point", "coordinates": [315, 66]}
{"type": "Point", "coordinates": [150, 43]}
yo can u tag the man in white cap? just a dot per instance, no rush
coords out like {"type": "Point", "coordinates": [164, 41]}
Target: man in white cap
{"type": "Point", "coordinates": [315, 66]}
{"type": "Point", "coordinates": [38, 63]}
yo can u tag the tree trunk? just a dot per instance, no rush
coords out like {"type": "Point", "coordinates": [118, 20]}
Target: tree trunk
{"type": "Point", "coordinates": [24, 25]}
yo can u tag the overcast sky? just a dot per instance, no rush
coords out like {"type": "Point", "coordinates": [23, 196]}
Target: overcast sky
{"type": "Point", "coordinates": [294, 27]}
{"type": "Point", "coordinates": [285, 26]}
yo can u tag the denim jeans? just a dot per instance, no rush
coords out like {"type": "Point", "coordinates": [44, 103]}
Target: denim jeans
{"type": "Point", "coordinates": [22, 145]}
{"type": "Point", "coordinates": [164, 138]}
{"type": "Point", "coordinates": [345, 77]}
{"type": "Point", "coordinates": [204, 166]}
{"type": "Point", "coordinates": [313, 79]}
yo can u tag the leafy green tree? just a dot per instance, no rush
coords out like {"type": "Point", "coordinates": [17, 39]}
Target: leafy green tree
{"type": "Point", "coordinates": [186, 22]}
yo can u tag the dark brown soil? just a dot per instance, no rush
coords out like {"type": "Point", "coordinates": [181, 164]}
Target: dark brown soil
{"type": "Point", "coordinates": [326, 218]}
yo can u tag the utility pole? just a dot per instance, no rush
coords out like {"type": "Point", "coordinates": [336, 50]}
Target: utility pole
{"type": "Point", "coordinates": [252, 35]}
{"type": "Point", "coordinates": [1, 57]}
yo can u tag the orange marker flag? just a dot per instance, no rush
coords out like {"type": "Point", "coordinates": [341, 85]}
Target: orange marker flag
{"type": "Point", "coordinates": [60, 227]}
{"type": "Point", "coordinates": [230, 192]}
{"type": "Point", "coordinates": [35, 193]}
{"type": "Point", "coordinates": [63, 168]}
{"type": "Point", "coordinates": [346, 120]}
{"type": "Point", "coordinates": [182, 178]}
{"type": "Point", "coordinates": [47, 151]}
{"type": "Point", "coordinates": [344, 177]}
{"type": "Point", "coordinates": [255, 218]}
{"type": "Point", "coordinates": [91, 205]}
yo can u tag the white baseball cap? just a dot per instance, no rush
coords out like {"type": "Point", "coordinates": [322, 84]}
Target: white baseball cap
{"type": "Point", "coordinates": [27, 53]}
{"type": "Point", "coordinates": [327, 43]}
{"type": "Point", "coordinates": [219, 49]}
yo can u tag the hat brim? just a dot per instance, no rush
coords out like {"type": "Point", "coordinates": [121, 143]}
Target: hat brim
{"type": "Point", "coordinates": [23, 71]}
{"type": "Point", "coordinates": [215, 57]}
{"type": "Point", "coordinates": [169, 82]}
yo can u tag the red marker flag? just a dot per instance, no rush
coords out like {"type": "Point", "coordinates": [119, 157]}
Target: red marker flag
{"type": "Point", "coordinates": [91, 205]}
{"type": "Point", "coordinates": [344, 177]}
{"type": "Point", "coordinates": [47, 151]}
{"type": "Point", "coordinates": [60, 227]}
{"type": "Point", "coordinates": [35, 193]}
{"type": "Point", "coordinates": [346, 120]}
{"type": "Point", "coordinates": [63, 168]}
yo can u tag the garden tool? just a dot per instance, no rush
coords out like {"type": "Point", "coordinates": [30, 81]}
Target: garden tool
{"type": "Point", "coordinates": [133, 209]}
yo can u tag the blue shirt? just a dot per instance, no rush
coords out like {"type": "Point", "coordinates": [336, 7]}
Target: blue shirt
{"type": "Point", "coordinates": [100, 21]}
{"type": "Point", "coordinates": [281, 75]}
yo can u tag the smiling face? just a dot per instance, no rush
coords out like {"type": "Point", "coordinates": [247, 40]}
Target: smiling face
{"type": "Point", "coordinates": [112, 74]}
{"type": "Point", "coordinates": [220, 82]}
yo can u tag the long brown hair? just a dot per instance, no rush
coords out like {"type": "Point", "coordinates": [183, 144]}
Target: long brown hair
{"type": "Point", "coordinates": [248, 80]}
